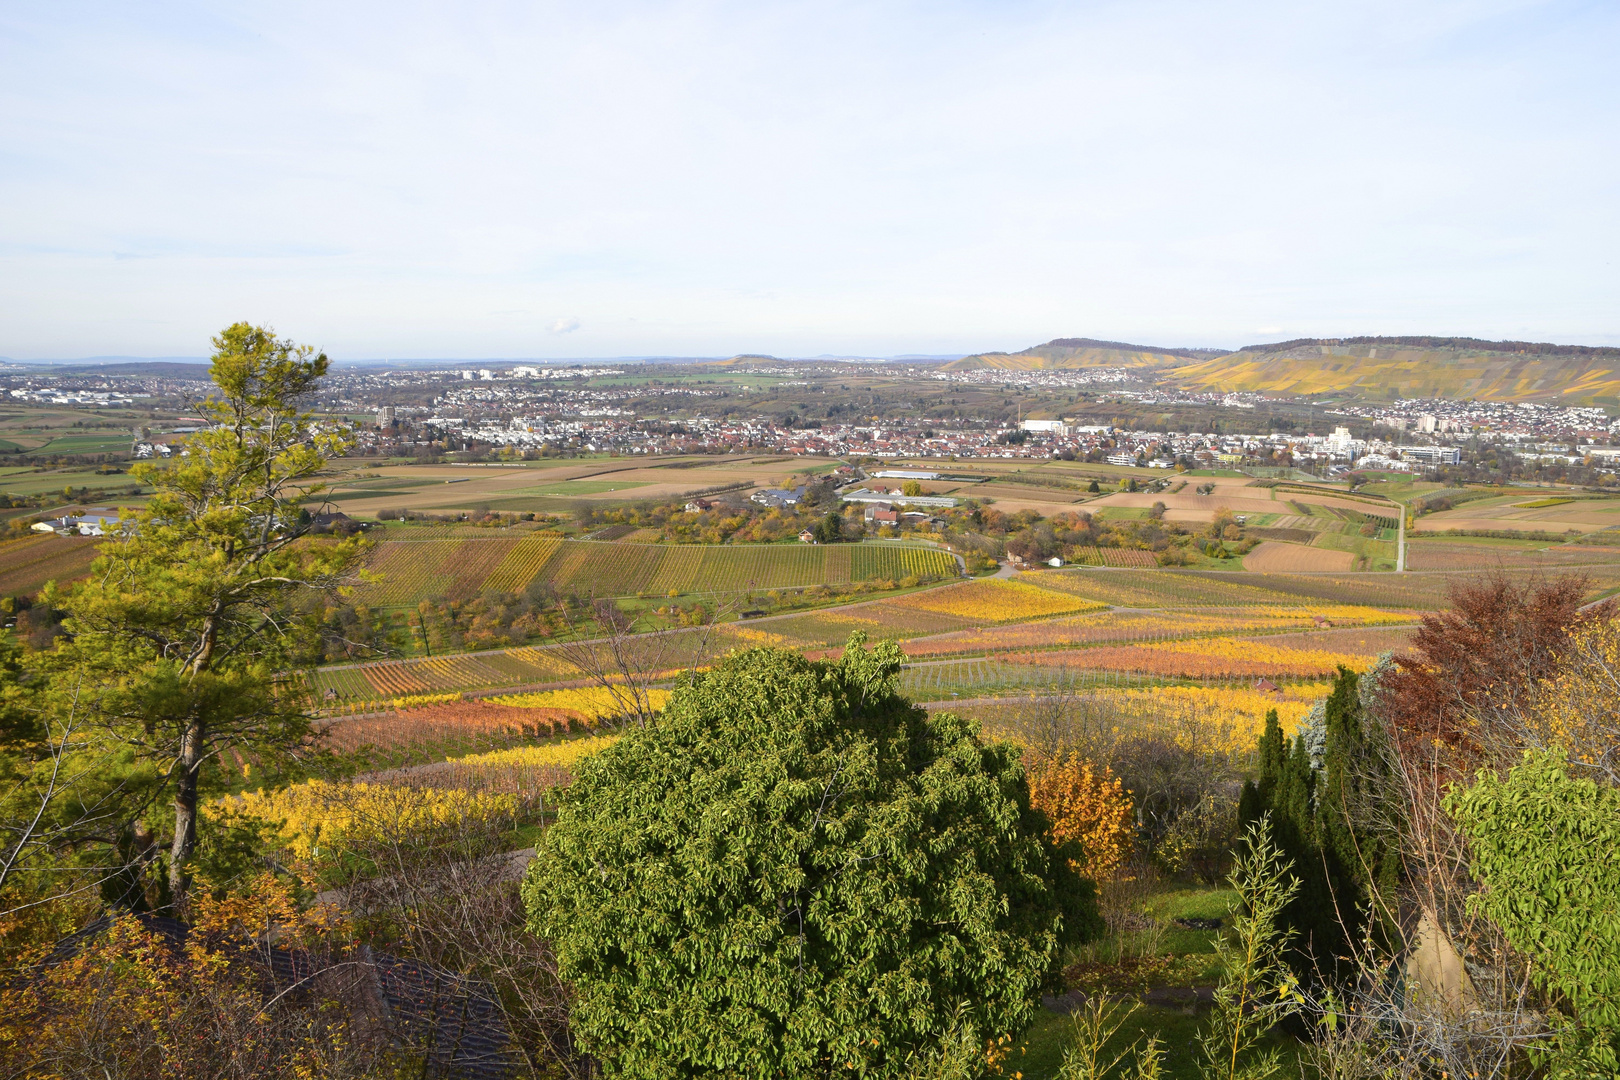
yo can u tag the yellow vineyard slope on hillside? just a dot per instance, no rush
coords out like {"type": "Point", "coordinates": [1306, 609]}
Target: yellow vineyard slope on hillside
{"type": "Point", "coordinates": [996, 600]}
{"type": "Point", "coordinates": [592, 702]}
{"type": "Point", "coordinates": [1388, 372]}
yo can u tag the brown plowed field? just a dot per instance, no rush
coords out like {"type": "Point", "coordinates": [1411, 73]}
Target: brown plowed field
{"type": "Point", "coordinates": [27, 564]}
{"type": "Point", "coordinates": [1273, 557]}
{"type": "Point", "coordinates": [1428, 555]}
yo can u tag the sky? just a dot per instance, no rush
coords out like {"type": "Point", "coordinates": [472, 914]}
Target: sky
{"type": "Point", "coordinates": [479, 179]}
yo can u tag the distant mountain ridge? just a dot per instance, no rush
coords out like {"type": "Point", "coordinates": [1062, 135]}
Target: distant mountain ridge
{"type": "Point", "coordinates": [125, 369]}
{"type": "Point", "coordinates": [1467, 344]}
{"type": "Point", "coordinates": [1375, 368]}
{"type": "Point", "coordinates": [1062, 353]}
{"type": "Point", "coordinates": [1382, 369]}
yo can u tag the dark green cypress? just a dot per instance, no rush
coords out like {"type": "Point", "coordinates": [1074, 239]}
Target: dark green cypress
{"type": "Point", "coordinates": [1358, 839]}
{"type": "Point", "coordinates": [1328, 824]}
{"type": "Point", "coordinates": [1256, 798]}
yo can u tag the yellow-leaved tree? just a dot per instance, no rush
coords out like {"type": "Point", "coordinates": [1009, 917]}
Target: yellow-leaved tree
{"type": "Point", "coordinates": [1087, 806]}
{"type": "Point", "coordinates": [1577, 709]}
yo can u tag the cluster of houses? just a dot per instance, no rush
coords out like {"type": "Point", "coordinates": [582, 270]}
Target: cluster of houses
{"type": "Point", "coordinates": [97, 522]}
{"type": "Point", "coordinates": [604, 427]}
{"type": "Point", "coordinates": [96, 399]}
{"type": "Point", "coordinates": [101, 521]}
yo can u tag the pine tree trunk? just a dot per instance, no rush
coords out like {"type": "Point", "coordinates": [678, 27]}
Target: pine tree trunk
{"type": "Point", "coordinates": [185, 813]}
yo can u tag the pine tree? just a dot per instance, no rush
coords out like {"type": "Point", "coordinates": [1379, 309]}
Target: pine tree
{"type": "Point", "coordinates": [1326, 822]}
{"type": "Point", "coordinates": [189, 619]}
{"type": "Point", "coordinates": [1358, 841]}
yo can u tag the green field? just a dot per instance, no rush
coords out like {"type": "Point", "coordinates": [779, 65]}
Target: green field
{"type": "Point", "coordinates": [414, 570]}
{"type": "Point", "coordinates": [48, 481]}
{"type": "Point", "coordinates": [100, 443]}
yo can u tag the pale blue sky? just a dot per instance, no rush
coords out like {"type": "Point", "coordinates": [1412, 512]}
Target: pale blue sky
{"type": "Point", "coordinates": [596, 179]}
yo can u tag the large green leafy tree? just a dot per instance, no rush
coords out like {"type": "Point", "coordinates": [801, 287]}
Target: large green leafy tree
{"type": "Point", "coordinates": [189, 621]}
{"type": "Point", "coordinates": [1546, 847]}
{"type": "Point", "coordinates": [796, 872]}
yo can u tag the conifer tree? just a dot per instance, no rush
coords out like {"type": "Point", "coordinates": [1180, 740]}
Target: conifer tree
{"type": "Point", "coordinates": [1328, 823]}
{"type": "Point", "coordinates": [189, 617]}
{"type": "Point", "coordinates": [1359, 845]}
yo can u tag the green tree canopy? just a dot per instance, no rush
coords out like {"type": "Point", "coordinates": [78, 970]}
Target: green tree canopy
{"type": "Point", "coordinates": [191, 613]}
{"type": "Point", "coordinates": [795, 870]}
{"type": "Point", "coordinates": [1546, 848]}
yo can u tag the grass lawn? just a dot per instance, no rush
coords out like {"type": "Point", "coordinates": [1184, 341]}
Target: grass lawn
{"type": "Point", "coordinates": [1500, 542]}
{"type": "Point", "coordinates": [1039, 1054]}
{"type": "Point", "coordinates": [1041, 1051]}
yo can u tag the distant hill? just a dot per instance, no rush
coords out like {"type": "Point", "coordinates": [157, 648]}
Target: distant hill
{"type": "Point", "coordinates": [1082, 353]}
{"type": "Point", "coordinates": [134, 369]}
{"type": "Point", "coordinates": [1384, 368]}
{"type": "Point", "coordinates": [1463, 344]}
{"type": "Point", "coordinates": [741, 359]}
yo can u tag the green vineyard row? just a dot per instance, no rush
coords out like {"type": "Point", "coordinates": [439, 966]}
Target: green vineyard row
{"type": "Point", "coordinates": [416, 570]}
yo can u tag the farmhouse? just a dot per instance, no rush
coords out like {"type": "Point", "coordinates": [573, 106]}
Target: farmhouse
{"type": "Point", "coordinates": [95, 523]}
{"type": "Point", "coordinates": [778, 496]}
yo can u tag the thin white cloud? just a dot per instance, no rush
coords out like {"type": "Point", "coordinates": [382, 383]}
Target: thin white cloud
{"type": "Point", "coordinates": [565, 326]}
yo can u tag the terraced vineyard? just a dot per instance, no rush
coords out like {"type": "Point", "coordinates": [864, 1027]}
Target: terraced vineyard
{"type": "Point", "coordinates": [27, 564]}
{"type": "Point", "coordinates": [993, 600]}
{"type": "Point", "coordinates": [414, 570]}
{"type": "Point", "coordinates": [1216, 588]}
{"type": "Point", "coordinates": [970, 678]}
{"type": "Point", "coordinates": [1160, 589]}
{"type": "Point", "coordinates": [427, 675]}
{"type": "Point", "coordinates": [1140, 627]}
{"type": "Point", "coordinates": [994, 636]}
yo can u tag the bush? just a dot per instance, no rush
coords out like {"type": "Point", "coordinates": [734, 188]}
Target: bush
{"type": "Point", "coordinates": [1088, 807]}
{"type": "Point", "coordinates": [797, 870]}
{"type": "Point", "coordinates": [1547, 849]}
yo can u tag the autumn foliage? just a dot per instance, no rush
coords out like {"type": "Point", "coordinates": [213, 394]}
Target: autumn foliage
{"type": "Point", "coordinates": [1477, 666]}
{"type": "Point", "coordinates": [1086, 806]}
{"type": "Point", "coordinates": [133, 1001]}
